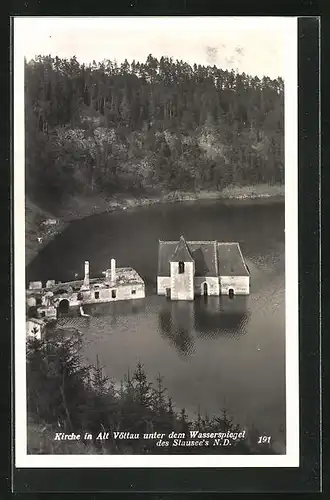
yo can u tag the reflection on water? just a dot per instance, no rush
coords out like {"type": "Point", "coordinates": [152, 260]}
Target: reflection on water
{"type": "Point", "coordinates": [205, 317]}
{"type": "Point", "coordinates": [211, 351]}
{"type": "Point", "coordinates": [108, 314]}
{"type": "Point", "coordinates": [102, 317]}
{"type": "Point", "coordinates": [176, 322]}
{"type": "Point", "coordinates": [221, 316]}
{"type": "Point", "coordinates": [114, 309]}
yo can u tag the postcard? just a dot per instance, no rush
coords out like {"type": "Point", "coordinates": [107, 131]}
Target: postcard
{"type": "Point", "coordinates": [156, 242]}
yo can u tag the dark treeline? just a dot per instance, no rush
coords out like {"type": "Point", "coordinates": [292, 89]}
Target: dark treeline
{"type": "Point", "coordinates": [66, 395]}
{"type": "Point", "coordinates": [161, 124]}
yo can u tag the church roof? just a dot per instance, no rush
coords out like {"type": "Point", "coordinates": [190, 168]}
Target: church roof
{"type": "Point", "coordinates": [211, 258]}
{"type": "Point", "coordinates": [230, 260]}
{"type": "Point", "coordinates": [182, 252]}
{"type": "Point", "coordinates": [203, 253]}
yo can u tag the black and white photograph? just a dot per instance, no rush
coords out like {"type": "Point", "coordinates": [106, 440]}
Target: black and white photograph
{"type": "Point", "coordinates": [155, 233]}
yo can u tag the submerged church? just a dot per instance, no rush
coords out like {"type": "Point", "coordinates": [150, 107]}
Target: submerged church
{"type": "Point", "coordinates": [190, 268]}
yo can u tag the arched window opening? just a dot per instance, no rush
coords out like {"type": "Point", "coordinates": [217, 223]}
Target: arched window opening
{"type": "Point", "coordinates": [181, 267]}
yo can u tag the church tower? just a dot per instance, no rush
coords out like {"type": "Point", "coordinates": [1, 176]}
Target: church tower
{"type": "Point", "coordinates": [182, 272]}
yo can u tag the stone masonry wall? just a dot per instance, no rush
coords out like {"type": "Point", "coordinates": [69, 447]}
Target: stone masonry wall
{"type": "Point", "coordinates": [182, 285]}
{"type": "Point", "coordinates": [216, 286]}
{"type": "Point", "coordinates": [213, 287]}
{"type": "Point", "coordinates": [163, 282]}
{"type": "Point", "coordinates": [240, 284]}
{"type": "Point", "coordinates": [123, 292]}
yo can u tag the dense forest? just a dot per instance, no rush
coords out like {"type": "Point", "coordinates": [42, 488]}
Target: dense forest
{"type": "Point", "coordinates": [64, 394]}
{"type": "Point", "coordinates": [156, 126]}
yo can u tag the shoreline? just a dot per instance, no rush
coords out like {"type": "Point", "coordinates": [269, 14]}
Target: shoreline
{"type": "Point", "coordinates": [43, 226]}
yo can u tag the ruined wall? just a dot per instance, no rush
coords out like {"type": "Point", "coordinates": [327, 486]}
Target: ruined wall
{"type": "Point", "coordinates": [100, 295]}
{"type": "Point", "coordinates": [31, 301]}
{"type": "Point", "coordinates": [182, 285]}
{"type": "Point", "coordinates": [48, 312]}
{"type": "Point", "coordinates": [240, 284]}
{"type": "Point", "coordinates": [127, 292]}
{"type": "Point", "coordinates": [35, 285]}
{"type": "Point", "coordinates": [213, 287]}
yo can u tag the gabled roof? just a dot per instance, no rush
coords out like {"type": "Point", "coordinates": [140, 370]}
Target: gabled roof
{"type": "Point", "coordinates": [211, 258]}
{"type": "Point", "coordinates": [203, 253]}
{"type": "Point", "coordinates": [182, 252]}
{"type": "Point", "coordinates": [230, 260]}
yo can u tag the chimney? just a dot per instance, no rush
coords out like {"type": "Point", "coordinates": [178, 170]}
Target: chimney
{"type": "Point", "coordinates": [113, 271]}
{"type": "Point", "coordinates": [86, 278]}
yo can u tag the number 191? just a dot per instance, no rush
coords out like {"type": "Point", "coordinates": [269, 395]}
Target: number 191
{"type": "Point", "coordinates": [263, 439]}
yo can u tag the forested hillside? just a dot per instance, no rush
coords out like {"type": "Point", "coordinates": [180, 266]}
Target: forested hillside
{"type": "Point", "coordinates": [150, 127]}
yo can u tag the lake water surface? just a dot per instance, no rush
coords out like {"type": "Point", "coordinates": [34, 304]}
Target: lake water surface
{"type": "Point", "coordinates": [212, 353]}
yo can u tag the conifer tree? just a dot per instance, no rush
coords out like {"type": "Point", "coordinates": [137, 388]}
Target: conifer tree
{"type": "Point", "coordinates": [64, 393]}
{"type": "Point", "coordinates": [142, 387]}
{"type": "Point", "coordinates": [243, 115]}
{"type": "Point", "coordinates": [159, 398]}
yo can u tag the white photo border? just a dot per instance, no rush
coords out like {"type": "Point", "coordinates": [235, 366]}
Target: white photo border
{"type": "Point", "coordinates": [291, 457]}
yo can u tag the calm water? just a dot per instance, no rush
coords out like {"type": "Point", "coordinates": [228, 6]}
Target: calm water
{"type": "Point", "coordinates": [215, 353]}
